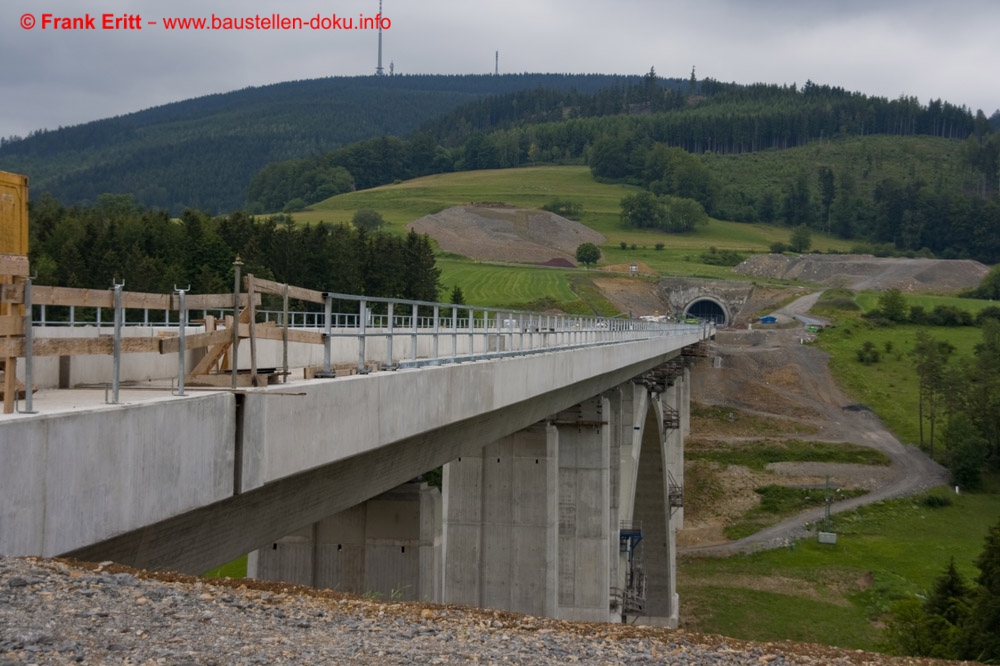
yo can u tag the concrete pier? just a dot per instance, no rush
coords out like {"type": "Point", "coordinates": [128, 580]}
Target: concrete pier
{"type": "Point", "coordinates": [573, 517]}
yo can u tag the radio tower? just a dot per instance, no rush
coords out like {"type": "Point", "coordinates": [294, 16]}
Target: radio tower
{"type": "Point", "coordinates": [496, 67]}
{"type": "Point", "coordinates": [378, 70]}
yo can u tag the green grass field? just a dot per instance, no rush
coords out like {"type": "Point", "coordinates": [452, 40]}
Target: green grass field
{"type": "Point", "coordinates": [533, 187]}
{"type": "Point", "coordinates": [889, 387]}
{"type": "Point", "coordinates": [836, 594]}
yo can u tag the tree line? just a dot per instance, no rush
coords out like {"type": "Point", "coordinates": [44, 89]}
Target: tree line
{"type": "Point", "coordinates": [116, 239]}
{"type": "Point", "coordinates": [202, 153]}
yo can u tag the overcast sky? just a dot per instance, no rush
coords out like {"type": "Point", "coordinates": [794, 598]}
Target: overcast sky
{"type": "Point", "coordinates": [924, 48]}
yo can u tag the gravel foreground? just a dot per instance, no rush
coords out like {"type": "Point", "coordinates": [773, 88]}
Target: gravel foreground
{"type": "Point", "coordinates": [61, 612]}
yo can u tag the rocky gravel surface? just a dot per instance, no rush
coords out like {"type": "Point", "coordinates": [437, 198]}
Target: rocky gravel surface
{"type": "Point", "coordinates": [57, 612]}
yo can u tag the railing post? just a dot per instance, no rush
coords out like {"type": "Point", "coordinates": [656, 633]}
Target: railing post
{"type": "Point", "coordinates": [182, 310]}
{"type": "Point", "coordinates": [472, 332]}
{"type": "Point", "coordinates": [116, 350]}
{"type": "Point", "coordinates": [29, 360]}
{"type": "Point", "coordinates": [328, 336]}
{"type": "Point", "coordinates": [437, 331]}
{"type": "Point", "coordinates": [237, 264]}
{"type": "Point", "coordinates": [362, 334]}
{"type": "Point", "coordinates": [388, 337]}
{"type": "Point", "coordinates": [413, 351]}
{"type": "Point", "coordinates": [284, 334]}
{"type": "Point", "coordinates": [454, 332]}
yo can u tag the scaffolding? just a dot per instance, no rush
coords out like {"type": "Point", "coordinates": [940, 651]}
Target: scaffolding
{"type": "Point", "coordinates": [632, 599]}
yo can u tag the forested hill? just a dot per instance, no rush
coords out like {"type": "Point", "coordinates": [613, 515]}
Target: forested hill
{"type": "Point", "coordinates": [203, 152]}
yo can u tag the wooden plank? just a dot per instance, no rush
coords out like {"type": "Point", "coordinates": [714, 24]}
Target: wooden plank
{"type": "Point", "coordinates": [207, 339]}
{"type": "Point", "coordinates": [277, 288]}
{"type": "Point", "coordinates": [11, 325]}
{"type": "Point", "coordinates": [215, 301]}
{"type": "Point", "coordinates": [219, 381]}
{"type": "Point", "coordinates": [104, 298]}
{"type": "Point", "coordinates": [215, 353]}
{"type": "Point", "coordinates": [138, 300]}
{"type": "Point", "coordinates": [9, 384]}
{"type": "Point", "coordinates": [83, 298]}
{"type": "Point", "coordinates": [14, 264]}
{"type": "Point", "coordinates": [11, 293]}
{"type": "Point", "coordinates": [78, 346]}
{"type": "Point", "coordinates": [196, 341]}
{"type": "Point", "coordinates": [294, 335]}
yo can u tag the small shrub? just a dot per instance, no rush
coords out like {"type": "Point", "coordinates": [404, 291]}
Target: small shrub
{"type": "Point", "coordinates": [936, 501]}
{"type": "Point", "coordinates": [868, 354]}
{"type": "Point", "coordinates": [623, 245]}
{"type": "Point", "coordinates": [658, 246]}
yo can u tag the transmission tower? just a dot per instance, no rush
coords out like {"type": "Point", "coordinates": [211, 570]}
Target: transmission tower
{"type": "Point", "coordinates": [378, 69]}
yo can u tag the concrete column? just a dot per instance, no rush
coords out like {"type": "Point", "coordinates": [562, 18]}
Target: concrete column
{"type": "Point", "coordinates": [430, 544]}
{"type": "Point", "coordinates": [616, 402]}
{"type": "Point", "coordinates": [500, 524]}
{"type": "Point", "coordinates": [584, 513]}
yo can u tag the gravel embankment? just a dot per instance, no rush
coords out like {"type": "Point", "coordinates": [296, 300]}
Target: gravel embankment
{"type": "Point", "coordinates": [54, 612]}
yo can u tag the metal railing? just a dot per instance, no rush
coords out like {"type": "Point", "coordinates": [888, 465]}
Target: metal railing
{"type": "Point", "coordinates": [411, 333]}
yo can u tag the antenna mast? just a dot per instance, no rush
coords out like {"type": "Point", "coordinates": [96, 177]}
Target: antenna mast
{"type": "Point", "coordinates": [496, 70]}
{"type": "Point", "coordinates": [378, 69]}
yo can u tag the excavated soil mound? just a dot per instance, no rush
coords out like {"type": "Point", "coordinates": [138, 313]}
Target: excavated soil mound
{"type": "Point", "coordinates": [491, 233]}
{"type": "Point", "coordinates": [864, 272]}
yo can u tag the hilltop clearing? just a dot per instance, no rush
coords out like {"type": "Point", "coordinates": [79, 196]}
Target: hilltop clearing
{"type": "Point", "coordinates": [504, 233]}
{"type": "Point", "coordinates": [862, 272]}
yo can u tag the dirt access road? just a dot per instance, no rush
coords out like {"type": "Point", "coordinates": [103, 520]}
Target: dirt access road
{"type": "Point", "coordinates": [772, 374]}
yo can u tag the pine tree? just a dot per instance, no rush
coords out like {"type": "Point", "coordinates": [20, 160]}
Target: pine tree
{"type": "Point", "coordinates": [982, 630]}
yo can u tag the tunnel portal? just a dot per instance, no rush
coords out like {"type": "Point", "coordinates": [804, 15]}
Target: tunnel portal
{"type": "Point", "coordinates": [708, 309]}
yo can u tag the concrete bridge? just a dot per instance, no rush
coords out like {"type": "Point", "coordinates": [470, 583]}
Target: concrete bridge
{"type": "Point", "coordinates": [561, 445]}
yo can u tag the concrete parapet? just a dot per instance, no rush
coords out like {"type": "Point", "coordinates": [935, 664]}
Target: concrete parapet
{"type": "Point", "coordinates": [72, 479]}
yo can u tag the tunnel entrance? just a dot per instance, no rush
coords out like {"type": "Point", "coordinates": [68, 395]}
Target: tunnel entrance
{"type": "Point", "coordinates": [708, 310]}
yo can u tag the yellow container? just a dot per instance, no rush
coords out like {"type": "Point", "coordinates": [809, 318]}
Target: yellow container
{"type": "Point", "coordinates": [13, 214]}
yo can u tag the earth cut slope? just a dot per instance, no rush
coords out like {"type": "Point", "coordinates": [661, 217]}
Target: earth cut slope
{"type": "Point", "coordinates": [502, 233]}
{"type": "Point", "coordinates": [864, 272]}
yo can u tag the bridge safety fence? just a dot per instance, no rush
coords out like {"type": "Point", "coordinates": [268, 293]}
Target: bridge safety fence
{"type": "Point", "coordinates": [367, 332]}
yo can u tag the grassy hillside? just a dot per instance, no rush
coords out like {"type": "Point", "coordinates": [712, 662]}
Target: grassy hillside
{"type": "Point", "coordinates": [889, 387]}
{"type": "Point", "coordinates": [201, 153]}
{"type": "Point", "coordinates": [533, 187]}
{"type": "Point", "coordinates": [837, 594]}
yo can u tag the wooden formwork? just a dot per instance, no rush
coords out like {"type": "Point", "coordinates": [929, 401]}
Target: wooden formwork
{"type": "Point", "coordinates": [13, 270]}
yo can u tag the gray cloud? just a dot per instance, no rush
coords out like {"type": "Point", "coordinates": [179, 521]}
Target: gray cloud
{"type": "Point", "coordinates": [921, 48]}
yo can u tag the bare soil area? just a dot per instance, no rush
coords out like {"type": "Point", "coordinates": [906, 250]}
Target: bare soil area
{"type": "Point", "coordinates": [629, 294]}
{"type": "Point", "coordinates": [862, 272]}
{"type": "Point", "coordinates": [499, 233]}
